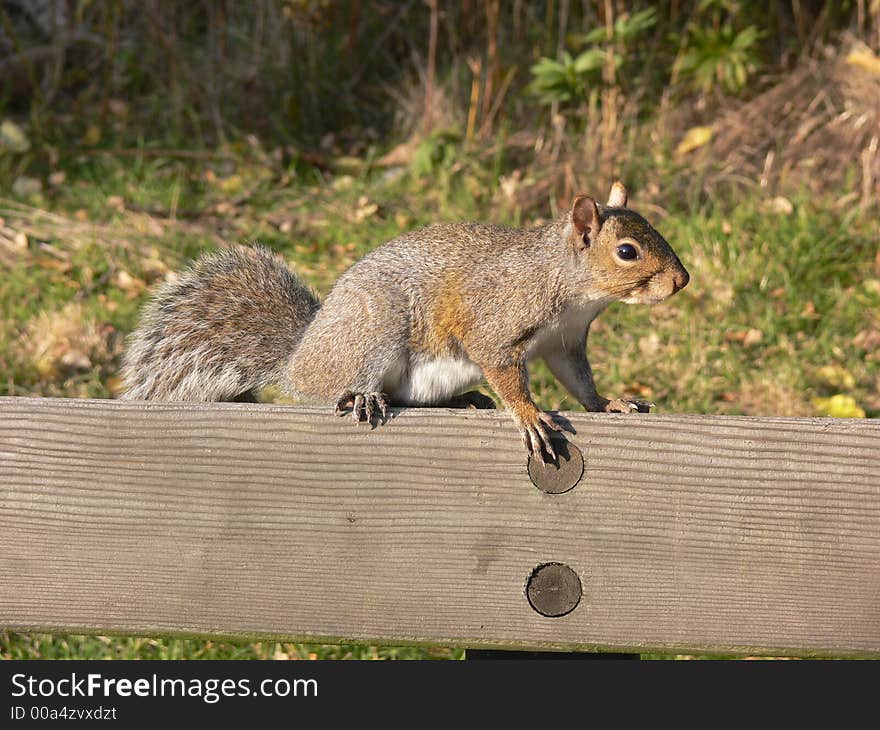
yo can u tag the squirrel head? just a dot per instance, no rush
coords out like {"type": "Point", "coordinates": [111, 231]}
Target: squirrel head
{"type": "Point", "coordinates": [627, 260]}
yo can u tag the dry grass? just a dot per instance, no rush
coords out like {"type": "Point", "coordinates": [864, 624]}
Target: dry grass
{"type": "Point", "coordinates": [68, 341]}
{"type": "Point", "coordinates": [808, 129]}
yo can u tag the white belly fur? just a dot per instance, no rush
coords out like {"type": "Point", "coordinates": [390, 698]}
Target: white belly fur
{"type": "Point", "coordinates": [432, 381]}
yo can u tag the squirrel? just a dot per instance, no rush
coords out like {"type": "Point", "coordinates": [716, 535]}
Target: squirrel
{"type": "Point", "coordinates": [416, 322]}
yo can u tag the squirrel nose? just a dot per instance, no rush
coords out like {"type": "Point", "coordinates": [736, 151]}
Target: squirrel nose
{"type": "Point", "coordinates": [680, 280]}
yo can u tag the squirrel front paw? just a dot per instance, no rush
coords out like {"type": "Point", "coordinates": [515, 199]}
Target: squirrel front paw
{"type": "Point", "coordinates": [363, 406]}
{"type": "Point", "coordinates": [534, 429]}
{"type": "Point", "coordinates": [628, 405]}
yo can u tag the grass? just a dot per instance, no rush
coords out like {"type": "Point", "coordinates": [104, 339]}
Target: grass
{"type": "Point", "coordinates": [782, 313]}
{"type": "Point", "coordinates": [48, 646]}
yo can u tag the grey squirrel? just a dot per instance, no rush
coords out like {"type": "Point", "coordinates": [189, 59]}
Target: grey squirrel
{"type": "Point", "coordinates": [417, 321]}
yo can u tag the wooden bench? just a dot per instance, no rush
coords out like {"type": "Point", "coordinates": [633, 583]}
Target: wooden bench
{"type": "Point", "coordinates": [683, 533]}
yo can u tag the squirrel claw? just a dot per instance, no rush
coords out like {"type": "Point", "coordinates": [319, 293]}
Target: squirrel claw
{"type": "Point", "coordinates": [363, 406]}
{"type": "Point", "coordinates": [628, 405]}
{"type": "Point", "coordinates": [537, 439]}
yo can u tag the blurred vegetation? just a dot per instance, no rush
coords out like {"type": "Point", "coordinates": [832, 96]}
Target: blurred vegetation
{"type": "Point", "coordinates": [608, 86]}
{"type": "Point", "coordinates": [134, 135]}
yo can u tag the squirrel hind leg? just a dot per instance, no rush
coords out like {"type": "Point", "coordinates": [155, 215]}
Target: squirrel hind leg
{"type": "Point", "coordinates": [470, 399]}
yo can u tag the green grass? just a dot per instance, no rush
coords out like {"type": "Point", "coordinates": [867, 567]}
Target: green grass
{"type": "Point", "coordinates": [48, 646]}
{"type": "Point", "coordinates": [782, 310]}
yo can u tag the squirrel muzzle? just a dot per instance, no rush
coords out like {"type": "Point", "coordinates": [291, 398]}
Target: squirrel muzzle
{"type": "Point", "coordinates": [660, 286]}
{"type": "Point", "coordinates": [680, 279]}
{"type": "Point", "coordinates": [664, 284]}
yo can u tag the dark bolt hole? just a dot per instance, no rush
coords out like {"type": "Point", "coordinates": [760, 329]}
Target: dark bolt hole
{"type": "Point", "coordinates": [561, 475]}
{"type": "Point", "coordinates": [554, 589]}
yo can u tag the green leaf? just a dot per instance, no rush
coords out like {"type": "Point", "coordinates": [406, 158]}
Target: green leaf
{"type": "Point", "coordinates": [628, 28]}
{"type": "Point", "coordinates": [590, 60]}
{"type": "Point", "coordinates": [597, 35]}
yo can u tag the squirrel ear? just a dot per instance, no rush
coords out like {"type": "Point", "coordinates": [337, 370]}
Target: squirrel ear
{"type": "Point", "coordinates": [617, 197]}
{"type": "Point", "coordinates": [585, 218]}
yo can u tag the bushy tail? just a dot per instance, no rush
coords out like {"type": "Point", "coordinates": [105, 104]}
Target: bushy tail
{"type": "Point", "coordinates": [219, 331]}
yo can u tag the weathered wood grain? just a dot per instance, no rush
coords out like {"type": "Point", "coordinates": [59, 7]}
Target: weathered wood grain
{"type": "Point", "coordinates": [689, 533]}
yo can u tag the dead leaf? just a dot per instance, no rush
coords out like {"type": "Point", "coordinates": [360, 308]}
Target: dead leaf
{"type": "Point", "coordinates": [693, 139]}
{"type": "Point", "coordinates": [868, 340]}
{"type": "Point", "coordinates": [13, 138]}
{"type": "Point", "coordinates": [131, 285]}
{"type": "Point", "coordinates": [778, 205]}
{"type": "Point", "coordinates": [347, 164]}
{"type": "Point", "coordinates": [753, 337]}
{"type": "Point", "coordinates": [75, 360]}
{"type": "Point", "coordinates": [365, 209]}
{"type": "Point", "coordinates": [838, 406]}
{"type": "Point", "coordinates": [25, 187]}
{"type": "Point", "coordinates": [837, 377]}
{"type": "Point", "coordinates": [649, 344]}
{"type": "Point", "coordinates": [865, 59]}
{"type": "Point", "coordinates": [342, 182]}
{"type": "Point", "coordinates": [400, 156]}
{"type": "Point", "coordinates": [745, 337]}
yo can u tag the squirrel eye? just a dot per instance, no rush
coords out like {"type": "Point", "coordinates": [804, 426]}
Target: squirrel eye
{"type": "Point", "coordinates": [627, 252]}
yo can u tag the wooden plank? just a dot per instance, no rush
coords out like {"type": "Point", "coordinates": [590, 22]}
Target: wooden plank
{"type": "Point", "coordinates": [688, 533]}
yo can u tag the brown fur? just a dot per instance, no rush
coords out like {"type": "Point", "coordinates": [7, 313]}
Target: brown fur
{"type": "Point", "coordinates": [450, 319]}
{"type": "Point", "coordinates": [511, 384]}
